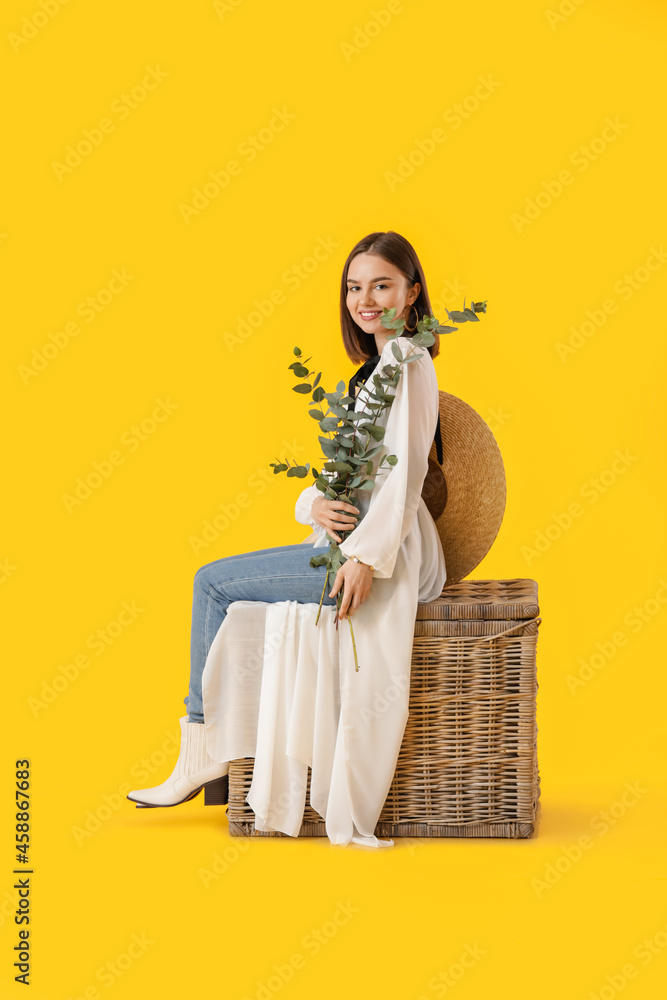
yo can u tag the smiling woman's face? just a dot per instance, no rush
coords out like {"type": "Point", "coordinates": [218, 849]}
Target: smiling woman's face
{"type": "Point", "coordinates": [373, 284]}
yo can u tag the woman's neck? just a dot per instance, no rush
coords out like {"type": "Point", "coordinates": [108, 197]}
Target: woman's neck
{"type": "Point", "coordinates": [380, 341]}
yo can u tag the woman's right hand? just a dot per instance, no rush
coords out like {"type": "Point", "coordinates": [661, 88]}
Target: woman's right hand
{"type": "Point", "coordinates": [329, 514]}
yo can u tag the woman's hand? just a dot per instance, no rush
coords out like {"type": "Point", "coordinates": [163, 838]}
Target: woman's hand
{"type": "Point", "coordinates": [357, 578]}
{"type": "Point", "coordinates": [328, 514]}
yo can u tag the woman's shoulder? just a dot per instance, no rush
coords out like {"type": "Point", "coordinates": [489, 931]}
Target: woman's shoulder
{"type": "Point", "coordinates": [406, 345]}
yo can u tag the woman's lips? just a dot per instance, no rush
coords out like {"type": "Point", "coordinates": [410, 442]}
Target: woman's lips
{"type": "Point", "coordinates": [371, 315]}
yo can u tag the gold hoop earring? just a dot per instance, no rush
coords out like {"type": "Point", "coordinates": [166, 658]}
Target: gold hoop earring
{"type": "Point", "coordinates": [412, 328]}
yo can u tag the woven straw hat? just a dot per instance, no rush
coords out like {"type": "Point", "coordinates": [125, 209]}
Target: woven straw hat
{"type": "Point", "coordinates": [466, 493]}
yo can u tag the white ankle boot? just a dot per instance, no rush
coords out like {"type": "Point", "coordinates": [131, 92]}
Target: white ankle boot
{"type": "Point", "coordinates": [194, 770]}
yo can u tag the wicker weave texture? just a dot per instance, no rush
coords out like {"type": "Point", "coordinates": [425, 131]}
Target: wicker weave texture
{"type": "Point", "coordinates": [467, 766]}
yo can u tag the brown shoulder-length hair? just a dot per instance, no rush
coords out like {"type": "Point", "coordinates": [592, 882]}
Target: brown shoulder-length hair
{"type": "Point", "coordinates": [358, 344]}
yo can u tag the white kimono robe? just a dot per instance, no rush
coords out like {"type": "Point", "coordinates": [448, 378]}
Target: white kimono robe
{"type": "Point", "coordinates": [285, 691]}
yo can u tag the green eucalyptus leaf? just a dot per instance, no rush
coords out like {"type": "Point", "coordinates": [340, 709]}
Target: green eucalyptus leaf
{"type": "Point", "coordinates": [392, 459]}
{"type": "Point", "coordinates": [377, 396]}
{"type": "Point", "coordinates": [329, 424]}
{"type": "Point", "coordinates": [338, 467]}
{"type": "Point", "coordinates": [328, 447]}
{"type": "Point", "coordinates": [340, 411]}
{"type": "Point", "coordinates": [376, 431]}
{"type": "Point", "coordinates": [305, 387]}
{"type": "Point", "coordinates": [297, 351]}
{"type": "Point", "coordinates": [318, 394]}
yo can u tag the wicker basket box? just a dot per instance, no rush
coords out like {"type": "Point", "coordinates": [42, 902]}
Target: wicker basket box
{"type": "Point", "coordinates": [468, 761]}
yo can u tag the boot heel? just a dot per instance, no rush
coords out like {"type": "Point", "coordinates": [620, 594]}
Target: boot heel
{"type": "Point", "coordinates": [216, 793]}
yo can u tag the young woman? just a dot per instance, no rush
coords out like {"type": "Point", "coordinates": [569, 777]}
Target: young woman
{"type": "Point", "coordinates": [395, 542]}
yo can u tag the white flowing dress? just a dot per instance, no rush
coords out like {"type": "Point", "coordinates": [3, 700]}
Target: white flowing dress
{"type": "Point", "coordinates": [281, 689]}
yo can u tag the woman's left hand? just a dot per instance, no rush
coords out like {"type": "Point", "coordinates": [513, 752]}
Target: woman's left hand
{"type": "Point", "coordinates": [357, 578]}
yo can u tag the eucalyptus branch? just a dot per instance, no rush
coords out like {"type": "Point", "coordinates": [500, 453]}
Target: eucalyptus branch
{"type": "Point", "coordinates": [349, 461]}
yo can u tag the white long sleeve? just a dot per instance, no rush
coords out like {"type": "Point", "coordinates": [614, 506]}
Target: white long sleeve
{"type": "Point", "coordinates": [409, 432]}
{"type": "Point", "coordinates": [304, 503]}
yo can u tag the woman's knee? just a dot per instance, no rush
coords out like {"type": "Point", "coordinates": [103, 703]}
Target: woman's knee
{"type": "Point", "coordinates": [208, 572]}
{"type": "Point", "coordinates": [217, 568]}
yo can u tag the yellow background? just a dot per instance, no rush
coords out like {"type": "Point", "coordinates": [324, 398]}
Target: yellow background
{"type": "Point", "coordinates": [358, 108]}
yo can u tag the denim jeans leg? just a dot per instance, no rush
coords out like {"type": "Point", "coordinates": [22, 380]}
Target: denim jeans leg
{"type": "Point", "coordinates": [282, 573]}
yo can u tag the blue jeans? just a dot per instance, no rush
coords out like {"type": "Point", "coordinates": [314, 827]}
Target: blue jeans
{"type": "Point", "coordinates": [278, 574]}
